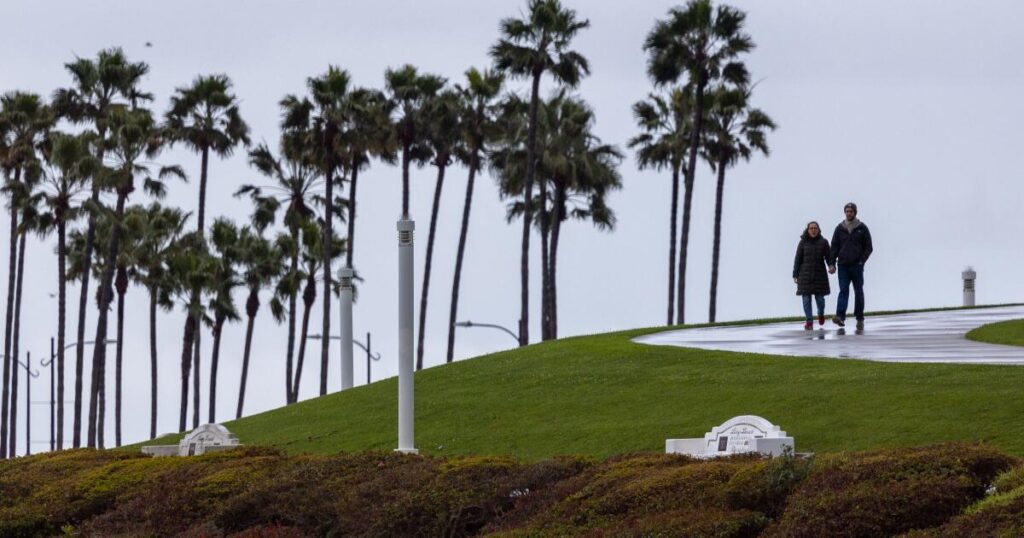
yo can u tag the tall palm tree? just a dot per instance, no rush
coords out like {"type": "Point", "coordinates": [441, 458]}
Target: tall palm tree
{"type": "Point", "coordinates": [224, 238]}
{"type": "Point", "coordinates": [24, 121]}
{"type": "Point", "coordinates": [205, 117]}
{"type": "Point", "coordinates": [70, 165]}
{"type": "Point", "coordinates": [312, 252]}
{"type": "Point", "coordinates": [702, 43]}
{"type": "Point", "coordinates": [444, 140]}
{"type": "Point", "coordinates": [162, 228]}
{"type": "Point", "coordinates": [409, 91]}
{"type": "Point", "coordinates": [98, 87]}
{"type": "Point", "coordinates": [529, 47]}
{"type": "Point", "coordinates": [735, 131]}
{"type": "Point", "coordinates": [477, 129]}
{"type": "Point", "coordinates": [666, 122]}
{"type": "Point", "coordinates": [261, 262]}
{"type": "Point", "coordinates": [190, 267]}
{"type": "Point", "coordinates": [294, 181]}
{"type": "Point", "coordinates": [134, 137]}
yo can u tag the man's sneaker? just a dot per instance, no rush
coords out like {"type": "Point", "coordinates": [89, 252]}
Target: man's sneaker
{"type": "Point", "coordinates": [838, 321]}
{"type": "Point", "coordinates": [860, 325]}
{"type": "Point", "coordinates": [821, 320]}
{"type": "Point", "coordinates": [808, 325]}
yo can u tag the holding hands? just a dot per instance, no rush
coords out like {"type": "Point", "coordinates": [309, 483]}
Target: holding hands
{"type": "Point", "coordinates": [831, 269]}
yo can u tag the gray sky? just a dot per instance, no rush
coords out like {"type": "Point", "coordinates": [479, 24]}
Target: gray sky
{"type": "Point", "coordinates": [910, 108]}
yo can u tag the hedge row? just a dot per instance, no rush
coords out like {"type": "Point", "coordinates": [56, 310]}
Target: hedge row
{"type": "Point", "coordinates": [263, 492]}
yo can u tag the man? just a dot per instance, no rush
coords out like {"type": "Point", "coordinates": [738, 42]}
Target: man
{"type": "Point", "coordinates": [851, 247]}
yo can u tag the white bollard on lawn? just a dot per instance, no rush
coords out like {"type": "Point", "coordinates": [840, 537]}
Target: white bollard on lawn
{"type": "Point", "coordinates": [969, 276]}
{"type": "Point", "coordinates": [346, 327]}
{"type": "Point", "coordinates": [406, 408]}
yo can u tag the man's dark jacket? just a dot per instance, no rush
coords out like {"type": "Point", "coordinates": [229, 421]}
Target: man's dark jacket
{"type": "Point", "coordinates": [850, 248]}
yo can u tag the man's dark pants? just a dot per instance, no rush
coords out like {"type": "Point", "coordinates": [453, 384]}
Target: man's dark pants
{"type": "Point", "coordinates": [851, 274]}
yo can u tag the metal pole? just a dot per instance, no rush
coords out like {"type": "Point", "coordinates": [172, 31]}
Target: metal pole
{"type": "Point", "coordinates": [367, 358]}
{"type": "Point", "coordinates": [346, 327]}
{"type": "Point", "coordinates": [406, 407]}
{"type": "Point", "coordinates": [53, 401]}
{"type": "Point", "coordinates": [28, 403]}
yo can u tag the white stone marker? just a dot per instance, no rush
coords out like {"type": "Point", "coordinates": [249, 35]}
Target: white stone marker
{"type": "Point", "coordinates": [968, 275]}
{"type": "Point", "coordinates": [345, 321]}
{"type": "Point", "coordinates": [738, 435]}
{"type": "Point", "coordinates": [406, 407]}
{"type": "Point", "coordinates": [206, 438]}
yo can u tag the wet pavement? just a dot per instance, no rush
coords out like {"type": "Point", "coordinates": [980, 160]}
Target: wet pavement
{"type": "Point", "coordinates": [919, 337]}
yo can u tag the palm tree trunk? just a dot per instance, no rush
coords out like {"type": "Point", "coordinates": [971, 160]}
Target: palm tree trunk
{"type": "Point", "coordinates": [427, 264]}
{"type": "Point", "coordinates": [328, 232]}
{"type": "Point", "coordinates": [463, 231]}
{"type": "Point", "coordinates": [12, 273]}
{"type": "Point", "coordinates": [672, 242]}
{"type": "Point", "coordinates": [100, 348]}
{"type": "Point", "coordinates": [351, 213]}
{"type": "Point", "coordinates": [252, 305]}
{"type": "Point", "coordinates": [201, 227]}
{"type": "Point", "coordinates": [308, 296]}
{"type": "Point", "coordinates": [718, 240]}
{"type": "Point", "coordinates": [83, 299]}
{"type": "Point", "coordinates": [195, 372]}
{"type": "Point", "coordinates": [61, 324]}
{"type": "Point", "coordinates": [556, 233]}
{"type": "Point", "coordinates": [186, 366]}
{"type": "Point", "coordinates": [122, 288]}
{"type": "Point", "coordinates": [524, 258]}
{"type": "Point", "coordinates": [15, 345]}
{"type": "Point", "coordinates": [218, 329]}
{"type": "Point", "coordinates": [545, 265]}
{"type": "Point", "coordinates": [691, 169]}
{"type": "Point", "coordinates": [152, 362]}
{"type": "Point", "coordinates": [292, 307]}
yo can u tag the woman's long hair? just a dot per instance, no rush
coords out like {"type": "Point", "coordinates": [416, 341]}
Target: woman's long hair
{"type": "Point", "coordinates": [807, 230]}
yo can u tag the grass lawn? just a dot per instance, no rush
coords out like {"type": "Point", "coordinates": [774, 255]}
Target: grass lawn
{"type": "Point", "coordinates": [604, 395]}
{"type": "Point", "coordinates": [1005, 332]}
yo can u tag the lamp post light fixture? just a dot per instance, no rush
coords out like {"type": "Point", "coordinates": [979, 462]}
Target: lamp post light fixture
{"type": "Point", "coordinates": [470, 324]}
{"type": "Point", "coordinates": [969, 275]}
{"type": "Point", "coordinates": [406, 406]}
{"type": "Point", "coordinates": [365, 347]}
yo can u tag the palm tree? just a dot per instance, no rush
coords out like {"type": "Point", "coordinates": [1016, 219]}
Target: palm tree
{"type": "Point", "coordinates": [99, 86]}
{"type": "Point", "coordinates": [133, 138]}
{"type": "Point", "coordinates": [666, 122]}
{"type": "Point", "coordinates": [443, 139]}
{"type": "Point", "coordinates": [735, 131]}
{"type": "Point", "coordinates": [529, 48]}
{"type": "Point", "coordinates": [205, 117]}
{"type": "Point", "coordinates": [312, 252]}
{"type": "Point", "coordinates": [162, 228]}
{"type": "Point", "coordinates": [70, 164]}
{"type": "Point", "coordinates": [294, 182]}
{"type": "Point", "coordinates": [477, 129]}
{"type": "Point", "coordinates": [224, 237]}
{"type": "Point", "coordinates": [190, 267]}
{"type": "Point", "coordinates": [409, 92]}
{"type": "Point", "coordinates": [262, 262]}
{"type": "Point", "coordinates": [24, 122]}
{"type": "Point", "coordinates": [703, 43]}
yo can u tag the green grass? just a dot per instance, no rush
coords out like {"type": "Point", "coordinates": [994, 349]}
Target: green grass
{"type": "Point", "coordinates": [603, 394]}
{"type": "Point", "coordinates": [1010, 333]}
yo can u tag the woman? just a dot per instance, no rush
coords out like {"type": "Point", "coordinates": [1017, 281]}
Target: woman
{"type": "Point", "coordinates": [810, 272]}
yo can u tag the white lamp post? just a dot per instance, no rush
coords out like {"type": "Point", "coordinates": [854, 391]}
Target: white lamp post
{"type": "Point", "coordinates": [406, 443]}
{"type": "Point", "coordinates": [969, 275]}
{"type": "Point", "coordinates": [346, 327]}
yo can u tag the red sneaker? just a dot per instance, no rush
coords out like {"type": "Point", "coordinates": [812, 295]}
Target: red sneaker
{"type": "Point", "coordinates": [821, 320]}
{"type": "Point", "coordinates": [808, 325]}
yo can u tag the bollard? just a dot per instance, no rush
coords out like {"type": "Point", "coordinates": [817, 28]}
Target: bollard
{"type": "Point", "coordinates": [969, 276]}
{"type": "Point", "coordinates": [345, 321]}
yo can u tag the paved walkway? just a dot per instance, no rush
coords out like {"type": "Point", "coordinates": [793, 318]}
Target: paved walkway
{"type": "Point", "coordinates": [920, 337]}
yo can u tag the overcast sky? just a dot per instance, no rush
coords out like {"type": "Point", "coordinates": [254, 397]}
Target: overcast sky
{"type": "Point", "coordinates": [911, 109]}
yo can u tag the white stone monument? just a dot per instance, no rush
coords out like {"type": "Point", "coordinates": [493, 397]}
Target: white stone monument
{"type": "Point", "coordinates": [206, 438]}
{"type": "Point", "coordinates": [738, 435]}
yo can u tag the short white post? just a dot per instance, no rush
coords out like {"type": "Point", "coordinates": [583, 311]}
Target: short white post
{"type": "Point", "coordinates": [969, 276]}
{"type": "Point", "coordinates": [406, 408]}
{"type": "Point", "coordinates": [346, 327]}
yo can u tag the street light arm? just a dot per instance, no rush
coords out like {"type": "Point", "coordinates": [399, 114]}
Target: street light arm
{"type": "Point", "coordinates": [29, 369]}
{"type": "Point", "coordinates": [374, 356]}
{"type": "Point", "coordinates": [469, 324]}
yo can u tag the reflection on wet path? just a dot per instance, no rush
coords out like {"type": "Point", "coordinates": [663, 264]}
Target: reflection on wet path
{"type": "Point", "coordinates": [920, 337]}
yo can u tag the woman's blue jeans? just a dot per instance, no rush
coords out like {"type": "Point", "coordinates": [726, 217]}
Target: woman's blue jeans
{"type": "Point", "coordinates": [820, 300]}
